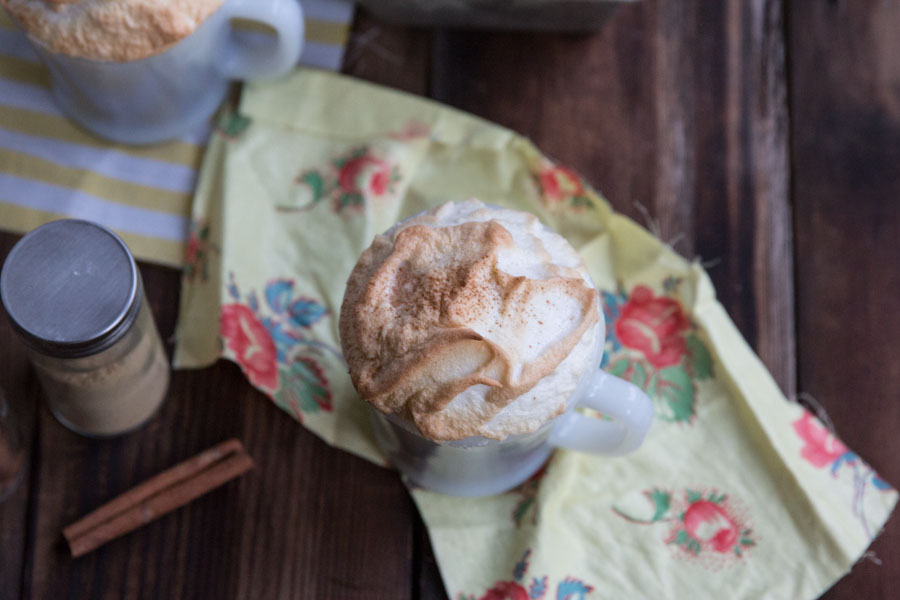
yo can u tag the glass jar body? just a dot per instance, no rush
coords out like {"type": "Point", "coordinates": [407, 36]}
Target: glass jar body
{"type": "Point", "coordinates": [113, 391]}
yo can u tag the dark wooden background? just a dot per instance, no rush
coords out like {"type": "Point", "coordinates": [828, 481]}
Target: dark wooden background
{"type": "Point", "coordinates": [760, 135]}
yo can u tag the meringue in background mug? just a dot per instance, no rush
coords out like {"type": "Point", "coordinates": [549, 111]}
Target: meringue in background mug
{"type": "Point", "coordinates": [175, 87]}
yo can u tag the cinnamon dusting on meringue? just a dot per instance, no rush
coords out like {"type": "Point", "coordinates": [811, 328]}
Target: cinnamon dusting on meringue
{"type": "Point", "coordinates": [437, 332]}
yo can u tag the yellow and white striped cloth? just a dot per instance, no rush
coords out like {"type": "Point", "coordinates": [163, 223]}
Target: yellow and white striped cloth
{"type": "Point", "coordinates": [50, 168]}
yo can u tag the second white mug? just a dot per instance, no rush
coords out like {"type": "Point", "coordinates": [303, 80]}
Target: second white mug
{"type": "Point", "coordinates": [167, 94]}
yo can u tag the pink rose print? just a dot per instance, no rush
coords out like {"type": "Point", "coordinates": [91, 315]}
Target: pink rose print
{"type": "Point", "coordinates": [349, 181]}
{"type": "Point", "coordinates": [274, 343]}
{"type": "Point", "coordinates": [252, 346]}
{"type": "Point", "coordinates": [559, 183]}
{"type": "Point", "coordinates": [703, 524]}
{"type": "Point", "coordinates": [708, 523]}
{"type": "Point", "coordinates": [820, 447]}
{"type": "Point", "coordinates": [561, 186]}
{"type": "Point", "coordinates": [381, 180]}
{"type": "Point", "coordinates": [193, 248]}
{"type": "Point", "coordinates": [365, 174]}
{"type": "Point", "coordinates": [652, 343]}
{"type": "Point", "coordinates": [198, 251]}
{"type": "Point", "coordinates": [506, 590]}
{"type": "Point", "coordinates": [570, 588]}
{"type": "Point", "coordinates": [653, 325]}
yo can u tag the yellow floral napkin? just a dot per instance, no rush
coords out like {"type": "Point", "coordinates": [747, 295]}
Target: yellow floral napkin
{"type": "Point", "coordinates": [735, 489]}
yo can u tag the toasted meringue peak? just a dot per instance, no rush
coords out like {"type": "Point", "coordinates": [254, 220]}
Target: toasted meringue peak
{"type": "Point", "coordinates": [469, 321]}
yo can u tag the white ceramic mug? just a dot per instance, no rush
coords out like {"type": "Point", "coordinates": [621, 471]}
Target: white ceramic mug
{"type": "Point", "coordinates": [481, 467]}
{"type": "Point", "coordinates": [165, 95]}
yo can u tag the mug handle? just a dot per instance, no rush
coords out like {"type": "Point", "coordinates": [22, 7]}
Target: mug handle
{"type": "Point", "coordinates": [630, 408]}
{"type": "Point", "coordinates": [286, 18]}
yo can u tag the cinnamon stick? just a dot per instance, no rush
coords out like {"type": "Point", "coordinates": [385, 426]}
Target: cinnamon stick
{"type": "Point", "coordinates": [159, 495]}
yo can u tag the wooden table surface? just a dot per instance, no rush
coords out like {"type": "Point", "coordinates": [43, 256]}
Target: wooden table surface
{"type": "Point", "coordinates": [760, 135]}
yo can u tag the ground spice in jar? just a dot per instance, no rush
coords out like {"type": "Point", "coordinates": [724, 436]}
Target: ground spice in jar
{"type": "Point", "coordinates": [74, 294]}
{"type": "Point", "coordinates": [111, 392]}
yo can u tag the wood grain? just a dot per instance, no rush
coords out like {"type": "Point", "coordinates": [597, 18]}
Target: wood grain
{"type": "Point", "coordinates": [677, 107]}
{"type": "Point", "coordinates": [390, 55]}
{"type": "Point", "coordinates": [845, 88]}
{"type": "Point", "coordinates": [401, 58]}
{"type": "Point", "coordinates": [677, 112]}
{"type": "Point", "coordinates": [15, 512]}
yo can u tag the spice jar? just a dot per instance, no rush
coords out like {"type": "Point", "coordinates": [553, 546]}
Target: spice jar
{"type": "Point", "coordinates": [74, 294]}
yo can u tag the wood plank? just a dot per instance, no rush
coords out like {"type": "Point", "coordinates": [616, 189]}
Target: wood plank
{"type": "Point", "coordinates": [14, 511]}
{"type": "Point", "coordinates": [428, 584]}
{"type": "Point", "coordinates": [677, 112]}
{"type": "Point", "coordinates": [390, 55]}
{"type": "Point", "coordinates": [398, 57]}
{"type": "Point", "coordinates": [845, 105]}
{"type": "Point", "coordinates": [293, 528]}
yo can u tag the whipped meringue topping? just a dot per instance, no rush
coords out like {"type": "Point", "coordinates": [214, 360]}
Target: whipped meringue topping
{"type": "Point", "coordinates": [470, 320]}
{"type": "Point", "coordinates": [117, 30]}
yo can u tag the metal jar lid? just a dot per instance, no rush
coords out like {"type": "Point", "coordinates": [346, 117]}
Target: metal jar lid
{"type": "Point", "coordinates": [71, 288]}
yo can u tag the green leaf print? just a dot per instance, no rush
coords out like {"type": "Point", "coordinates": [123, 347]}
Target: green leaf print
{"type": "Point", "coordinates": [677, 390]}
{"type": "Point", "coordinates": [521, 509]}
{"type": "Point", "coordinates": [701, 361]}
{"type": "Point", "coordinates": [350, 199]}
{"type": "Point", "coordinates": [315, 182]}
{"type": "Point", "coordinates": [693, 496]}
{"type": "Point", "coordinates": [639, 375]}
{"type": "Point", "coordinates": [619, 367]}
{"type": "Point", "coordinates": [582, 201]}
{"type": "Point", "coordinates": [662, 500]}
{"type": "Point", "coordinates": [693, 546]}
{"type": "Point", "coordinates": [233, 124]}
{"type": "Point", "coordinates": [303, 390]}
{"type": "Point", "coordinates": [652, 386]}
{"type": "Point", "coordinates": [313, 394]}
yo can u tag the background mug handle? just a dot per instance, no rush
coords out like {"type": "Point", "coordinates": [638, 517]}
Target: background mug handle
{"type": "Point", "coordinates": [264, 60]}
{"type": "Point", "coordinates": [629, 407]}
